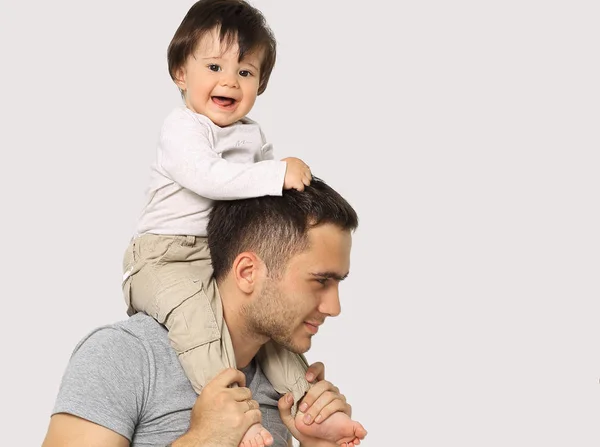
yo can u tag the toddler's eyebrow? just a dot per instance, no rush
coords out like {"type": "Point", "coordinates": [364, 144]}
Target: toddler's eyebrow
{"type": "Point", "coordinates": [251, 64]}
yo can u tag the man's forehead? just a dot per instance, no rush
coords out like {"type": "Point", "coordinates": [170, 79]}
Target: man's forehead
{"type": "Point", "coordinates": [328, 232]}
{"type": "Point", "coordinates": [330, 244]}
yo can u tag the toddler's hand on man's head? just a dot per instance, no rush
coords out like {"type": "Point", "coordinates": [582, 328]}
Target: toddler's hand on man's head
{"type": "Point", "coordinates": [297, 174]}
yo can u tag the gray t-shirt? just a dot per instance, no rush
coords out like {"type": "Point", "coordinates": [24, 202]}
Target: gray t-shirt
{"type": "Point", "coordinates": [126, 377]}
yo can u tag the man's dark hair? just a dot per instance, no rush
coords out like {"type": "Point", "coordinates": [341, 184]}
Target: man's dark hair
{"type": "Point", "coordinates": [273, 227]}
{"type": "Point", "coordinates": [237, 21]}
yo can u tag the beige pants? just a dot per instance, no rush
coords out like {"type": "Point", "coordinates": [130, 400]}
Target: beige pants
{"type": "Point", "coordinates": [170, 279]}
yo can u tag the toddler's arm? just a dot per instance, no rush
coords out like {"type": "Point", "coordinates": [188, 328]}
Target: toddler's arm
{"type": "Point", "coordinates": [187, 156]}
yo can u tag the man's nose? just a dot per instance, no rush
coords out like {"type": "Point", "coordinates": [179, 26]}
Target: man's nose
{"type": "Point", "coordinates": [330, 305]}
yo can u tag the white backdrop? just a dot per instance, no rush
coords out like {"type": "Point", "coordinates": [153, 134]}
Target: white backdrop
{"type": "Point", "coordinates": [464, 133]}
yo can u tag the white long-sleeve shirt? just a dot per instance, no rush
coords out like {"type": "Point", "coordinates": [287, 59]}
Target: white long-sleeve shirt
{"type": "Point", "coordinates": [198, 162]}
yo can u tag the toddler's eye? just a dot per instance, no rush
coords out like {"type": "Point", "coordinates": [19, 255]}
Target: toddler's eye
{"type": "Point", "coordinates": [245, 73]}
{"type": "Point", "coordinates": [214, 67]}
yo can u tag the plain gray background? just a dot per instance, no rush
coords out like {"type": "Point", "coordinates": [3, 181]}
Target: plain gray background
{"type": "Point", "coordinates": [464, 133]}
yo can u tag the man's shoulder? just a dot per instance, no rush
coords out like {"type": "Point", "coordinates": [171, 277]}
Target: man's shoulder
{"type": "Point", "coordinates": [134, 351]}
{"type": "Point", "coordinates": [125, 377]}
{"type": "Point", "coordinates": [139, 333]}
{"type": "Point", "coordinates": [142, 326]}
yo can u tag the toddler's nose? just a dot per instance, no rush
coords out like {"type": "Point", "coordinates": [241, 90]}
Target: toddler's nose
{"type": "Point", "coordinates": [229, 80]}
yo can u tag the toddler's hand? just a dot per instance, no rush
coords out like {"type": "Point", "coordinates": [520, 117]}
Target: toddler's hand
{"type": "Point", "coordinates": [297, 174]}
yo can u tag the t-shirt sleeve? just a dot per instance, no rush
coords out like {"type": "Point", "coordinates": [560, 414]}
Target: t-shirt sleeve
{"type": "Point", "coordinates": [106, 380]}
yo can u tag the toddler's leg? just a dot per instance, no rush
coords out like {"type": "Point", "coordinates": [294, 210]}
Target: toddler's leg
{"type": "Point", "coordinates": [167, 276]}
{"type": "Point", "coordinates": [196, 337]}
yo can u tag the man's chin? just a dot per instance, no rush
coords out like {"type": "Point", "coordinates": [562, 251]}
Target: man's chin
{"type": "Point", "coordinates": [296, 347]}
{"type": "Point", "coordinates": [302, 347]}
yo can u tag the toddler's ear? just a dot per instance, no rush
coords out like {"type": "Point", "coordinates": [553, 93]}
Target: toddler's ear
{"type": "Point", "coordinates": [180, 79]}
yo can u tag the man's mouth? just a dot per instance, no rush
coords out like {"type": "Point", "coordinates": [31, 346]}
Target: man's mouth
{"type": "Point", "coordinates": [223, 101]}
{"type": "Point", "coordinates": [312, 327]}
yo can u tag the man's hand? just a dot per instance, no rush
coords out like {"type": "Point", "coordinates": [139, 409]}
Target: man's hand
{"type": "Point", "coordinates": [323, 399]}
{"type": "Point", "coordinates": [297, 174]}
{"type": "Point", "coordinates": [285, 411]}
{"type": "Point", "coordinates": [221, 415]}
{"type": "Point", "coordinates": [315, 372]}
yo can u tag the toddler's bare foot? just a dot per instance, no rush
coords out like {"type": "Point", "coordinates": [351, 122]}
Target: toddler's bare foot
{"type": "Point", "coordinates": [338, 428]}
{"type": "Point", "coordinates": [256, 436]}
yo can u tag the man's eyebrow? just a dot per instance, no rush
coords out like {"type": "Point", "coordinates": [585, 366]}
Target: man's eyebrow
{"type": "Point", "coordinates": [328, 275]}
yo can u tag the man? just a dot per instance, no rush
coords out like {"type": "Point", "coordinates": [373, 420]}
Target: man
{"type": "Point", "coordinates": [277, 262]}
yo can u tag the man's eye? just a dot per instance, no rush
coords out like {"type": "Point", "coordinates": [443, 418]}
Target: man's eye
{"type": "Point", "coordinates": [245, 73]}
{"type": "Point", "coordinates": [214, 67]}
{"type": "Point", "coordinates": [323, 281]}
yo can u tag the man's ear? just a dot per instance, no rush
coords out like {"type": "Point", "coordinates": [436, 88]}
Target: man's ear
{"type": "Point", "coordinates": [248, 270]}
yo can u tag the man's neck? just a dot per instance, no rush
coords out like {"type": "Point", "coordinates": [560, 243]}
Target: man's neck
{"type": "Point", "coordinates": [246, 344]}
